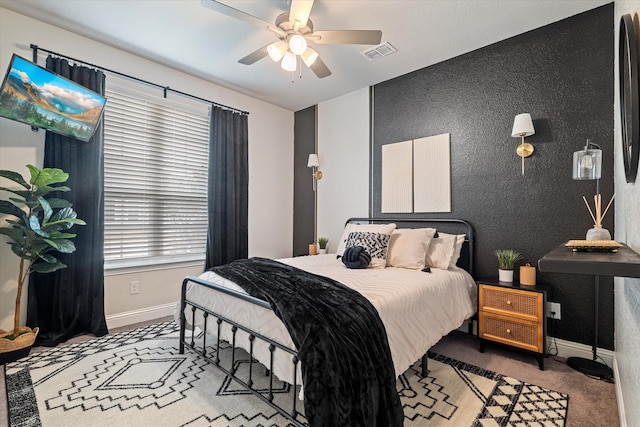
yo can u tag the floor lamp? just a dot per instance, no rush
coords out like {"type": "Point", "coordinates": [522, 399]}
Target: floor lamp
{"type": "Point", "coordinates": [313, 163]}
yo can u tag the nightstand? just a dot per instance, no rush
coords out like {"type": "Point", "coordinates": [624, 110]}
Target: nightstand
{"type": "Point", "coordinates": [513, 315]}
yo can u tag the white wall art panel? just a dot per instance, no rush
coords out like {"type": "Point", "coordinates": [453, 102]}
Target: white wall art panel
{"type": "Point", "coordinates": [432, 174]}
{"type": "Point", "coordinates": [397, 185]}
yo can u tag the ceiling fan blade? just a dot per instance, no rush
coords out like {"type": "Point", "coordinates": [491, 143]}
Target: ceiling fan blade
{"type": "Point", "coordinates": [254, 56]}
{"type": "Point", "coordinates": [242, 16]}
{"type": "Point", "coordinates": [300, 10]}
{"type": "Point", "coordinates": [347, 37]}
{"type": "Point", "coordinates": [320, 69]}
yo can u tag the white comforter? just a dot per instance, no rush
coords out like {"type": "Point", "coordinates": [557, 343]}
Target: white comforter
{"type": "Point", "coordinates": [417, 308]}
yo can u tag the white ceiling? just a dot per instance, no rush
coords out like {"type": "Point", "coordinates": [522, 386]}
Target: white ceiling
{"type": "Point", "coordinates": [187, 36]}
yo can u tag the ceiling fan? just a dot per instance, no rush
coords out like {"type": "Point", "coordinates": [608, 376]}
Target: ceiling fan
{"type": "Point", "coordinates": [294, 30]}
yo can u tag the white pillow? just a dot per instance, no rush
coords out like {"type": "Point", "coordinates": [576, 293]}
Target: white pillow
{"type": "Point", "coordinates": [376, 245]}
{"type": "Point", "coordinates": [408, 247]}
{"type": "Point", "coordinates": [444, 250]}
{"type": "Point", "coordinates": [370, 228]}
{"type": "Point", "coordinates": [459, 240]}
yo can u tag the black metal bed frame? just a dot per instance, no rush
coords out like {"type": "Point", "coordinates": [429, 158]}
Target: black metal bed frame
{"type": "Point", "coordinates": [466, 261]}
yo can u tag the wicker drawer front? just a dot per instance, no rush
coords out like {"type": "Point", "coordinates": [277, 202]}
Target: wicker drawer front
{"type": "Point", "coordinates": [527, 335]}
{"type": "Point", "coordinates": [522, 303]}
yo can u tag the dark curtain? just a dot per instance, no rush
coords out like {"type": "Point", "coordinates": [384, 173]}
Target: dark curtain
{"type": "Point", "coordinates": [228, 193]}
{"type": "Point", "coordinates": [70, 302]}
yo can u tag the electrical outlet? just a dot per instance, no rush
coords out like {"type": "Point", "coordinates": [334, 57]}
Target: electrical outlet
{"type": "Point", "coordinates": [553, 310]}
{"type": "Point", "coordinates": [134, 287]}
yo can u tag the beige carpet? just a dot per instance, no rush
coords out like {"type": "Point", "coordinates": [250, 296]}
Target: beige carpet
{"type": "Point", "coordinates": [592, 401]}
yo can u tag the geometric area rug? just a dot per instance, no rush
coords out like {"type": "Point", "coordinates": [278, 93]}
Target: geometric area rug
{"type": "Point", "coordinates": [138, 378]}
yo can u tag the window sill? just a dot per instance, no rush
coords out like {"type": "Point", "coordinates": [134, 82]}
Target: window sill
{"type": "Point", "coordinates": [167, 263]}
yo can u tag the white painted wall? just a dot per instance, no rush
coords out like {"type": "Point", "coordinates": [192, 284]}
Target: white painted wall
{"type": "Point", "coordinates": [627, 290]}
{"type": "Point", "coordinates": [343, 152]}
{"type": "Point", "coordinates": [270, 165]}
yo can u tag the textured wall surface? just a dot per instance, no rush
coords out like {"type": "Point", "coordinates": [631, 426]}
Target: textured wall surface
{"type": "Point", "coordinates": [303, 197]}
{"type": "Point", "coordinates": [562, 74]}
{"type": "Point", "coordinates": [627, 290]}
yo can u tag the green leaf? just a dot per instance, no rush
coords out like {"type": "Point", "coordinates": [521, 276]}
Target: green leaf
{"type": "Point", "coordinates": [56, 203]}
{"type": "Point", "coordinates": [46, 208]}
{"type": "Point", "coordinates": [45, 189]}
{"type": "Point", "coordinates": [14, 234]}
{"type": "Point", "coordinates": [43, 267]}
{"type": "Point", "coordinates": [48, 258]}
{"type": "Point", "coordinates": [19, 250]}
{"type": "Point", "coordinates": [22, 193]}
{"type": "Point", "coordinates": [64, 245]}
{"type": "Point", "coordinates": [46, 176]}
{"type": "Point", "coordinates": [34, 224]}
{"type": "Point", "coordinates": [59, 235]}
{"type": "Point", "coordinates": [15, 177]}
{"type": "Point", "coordinates": [10, 209]}
{"type": "Point", "coordinates": [51, 243]}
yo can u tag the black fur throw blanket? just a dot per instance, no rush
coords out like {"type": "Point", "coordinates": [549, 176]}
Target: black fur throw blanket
{"type": "Point", "coordinates": [347, 370]}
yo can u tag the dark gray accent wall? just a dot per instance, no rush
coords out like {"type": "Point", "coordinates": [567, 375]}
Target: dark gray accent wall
{"type": "Point", "coordinates": [303, 197]}
{"type": "Point", "coordinates": [563, 75]}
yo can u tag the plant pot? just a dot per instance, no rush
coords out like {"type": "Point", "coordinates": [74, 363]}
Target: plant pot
{"type": "Point", "coordinates": [12, 350]}
{"type": "Point", "coordinates": [322, 251]}
{"type": "Point", "coordinates": [505, 275]}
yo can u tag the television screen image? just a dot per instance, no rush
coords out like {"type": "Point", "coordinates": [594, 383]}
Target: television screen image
{"type": "Point", "coordinates": [38, 97]}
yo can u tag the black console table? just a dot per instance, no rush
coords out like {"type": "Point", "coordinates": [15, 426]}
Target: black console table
{"type": "Point", "coordinates": [623, 263]}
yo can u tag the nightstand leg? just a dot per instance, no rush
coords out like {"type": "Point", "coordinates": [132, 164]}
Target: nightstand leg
{"type": "Point", "coordinates": [481, 345]}
{"type": "Point", "coordinates": [541, 362]}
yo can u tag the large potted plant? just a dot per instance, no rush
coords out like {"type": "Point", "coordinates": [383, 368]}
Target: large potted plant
{"type": "Point", "coordinates": [38, 230]}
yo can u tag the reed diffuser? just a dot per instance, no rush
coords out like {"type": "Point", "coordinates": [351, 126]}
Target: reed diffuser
{"type": "Point", "coordinates": [597, 232]}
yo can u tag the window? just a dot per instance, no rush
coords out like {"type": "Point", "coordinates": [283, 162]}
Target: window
{"type": "Point", "coordinates": [155, 185]}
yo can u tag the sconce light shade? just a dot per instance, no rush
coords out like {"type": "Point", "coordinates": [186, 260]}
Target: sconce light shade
{"type": "Point", "coordinates": [522, 126]}
{"type": "Point", "coordinates": [313, 161]}
{"type": "Point", "coordinates": [587, 163]}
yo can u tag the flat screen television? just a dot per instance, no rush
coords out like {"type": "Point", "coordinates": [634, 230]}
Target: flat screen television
{"type": "Point", "coordinates": [38, 97]}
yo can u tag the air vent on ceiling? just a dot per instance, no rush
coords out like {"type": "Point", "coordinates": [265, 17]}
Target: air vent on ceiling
{"type": "Point", "coordinates": [379, 51]}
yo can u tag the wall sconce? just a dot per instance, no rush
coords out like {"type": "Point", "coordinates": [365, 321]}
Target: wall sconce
{"type": "Point", "coordinates": [313, 163]}
{"type": "Point", "coordinates": [316, 174]}
{"type": "Point", "coordinates": [587, 165]}
{"type": "Point", "coordinates": [523, 126]}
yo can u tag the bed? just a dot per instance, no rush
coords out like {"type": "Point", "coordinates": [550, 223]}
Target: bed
{"type": "Point", "coordinates": [417, 307]}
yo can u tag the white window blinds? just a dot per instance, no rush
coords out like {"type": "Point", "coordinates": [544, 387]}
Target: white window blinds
{"type": "Point", "coordinates": [155, 180]}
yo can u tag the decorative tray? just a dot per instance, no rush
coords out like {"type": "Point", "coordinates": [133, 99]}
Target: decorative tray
{"type": "Point", "coordinates": [593, 245]}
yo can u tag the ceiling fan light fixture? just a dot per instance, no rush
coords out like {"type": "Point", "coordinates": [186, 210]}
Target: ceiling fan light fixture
{"type": "Point", "coordinates": [309, 56]}
{"type": "Point", "coordinates": [297, 44]}
{"type": "Point", "coordinates": [289, 62]}
{"type": "Point", "coordinates": [277, 50]}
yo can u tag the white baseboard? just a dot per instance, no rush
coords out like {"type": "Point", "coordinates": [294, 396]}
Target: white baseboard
{"type": "Point", "coordinates": [142, 315]}
{"type": "Point", "coordinates": [574, 349]}
{"type": "Point", "coordinates": [616, 377]}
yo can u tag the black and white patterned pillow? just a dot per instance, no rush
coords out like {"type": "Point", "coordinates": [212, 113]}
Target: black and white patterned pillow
{"type": "Point", "coordinates": [376, 245]}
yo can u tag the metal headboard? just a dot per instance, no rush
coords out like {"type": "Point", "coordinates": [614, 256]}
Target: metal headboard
{"type": "Point", "coordinates": [445, 225]}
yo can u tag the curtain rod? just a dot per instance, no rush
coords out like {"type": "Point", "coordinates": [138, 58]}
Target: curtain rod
{"type": "Point", "coordinates": [165, 89]}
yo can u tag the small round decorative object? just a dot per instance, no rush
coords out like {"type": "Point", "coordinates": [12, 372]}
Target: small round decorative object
{"type": "Point", "coordinates": [629, 108]}
{"type": "Point", "coordinates": [598, 233]}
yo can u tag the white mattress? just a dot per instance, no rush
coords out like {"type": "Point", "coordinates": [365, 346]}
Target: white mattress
{"type": "Point", "coordinates": [417, 308]}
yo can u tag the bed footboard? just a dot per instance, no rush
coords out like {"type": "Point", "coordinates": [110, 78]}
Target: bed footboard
{"type": "Point", "coordinates": [212, 356]}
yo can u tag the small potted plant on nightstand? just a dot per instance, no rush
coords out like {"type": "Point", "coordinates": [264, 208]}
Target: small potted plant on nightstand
{"type": "Point", "coordinates": [322, 244]}
{"type": "Point", "coordinates": [506, 260]}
